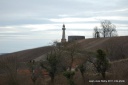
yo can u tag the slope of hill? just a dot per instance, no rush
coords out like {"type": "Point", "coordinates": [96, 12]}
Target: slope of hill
{"type": "Point", "coordinates": [108, 44]}
{"type": "Point", "coordinates": [3, 53]}
{"type": "Point", "coordinates": [30, 54]}
{"type": "Point", "coordinates": [102, 42]}
{"type": "Point", "coordinates": [116, 46]}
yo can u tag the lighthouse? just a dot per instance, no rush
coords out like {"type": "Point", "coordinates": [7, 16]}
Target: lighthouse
{"type": "Point", "coordinates": [63, 34]}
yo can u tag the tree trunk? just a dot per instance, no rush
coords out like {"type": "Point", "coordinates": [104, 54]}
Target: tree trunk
{"type": "Point", "coordinates": [52, 80]}
{"type": "Point", "coordinates": [103, 75]}
{"type": "Point", "coordinates": [83, 77]}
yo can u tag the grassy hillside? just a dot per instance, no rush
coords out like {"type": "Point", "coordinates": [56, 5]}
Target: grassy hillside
{"type": "Point", "coordinates": [87, 44]}
{"type": "Point", "coordinates": [116, 49]}
{"type": "Point", "coordinates": [30, 54]}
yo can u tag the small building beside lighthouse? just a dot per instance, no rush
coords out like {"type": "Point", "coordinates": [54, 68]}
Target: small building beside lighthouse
{"type": "Point", "coordinates": [74, 38]}
{"type": "Point", "coordinates": [71, 38]}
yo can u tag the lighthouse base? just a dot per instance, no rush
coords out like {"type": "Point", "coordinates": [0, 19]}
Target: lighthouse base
{"type": "Point", "coordinates": [63, 40]}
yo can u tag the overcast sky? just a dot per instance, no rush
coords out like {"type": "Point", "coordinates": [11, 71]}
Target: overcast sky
{"type": "Point", "coordinates": [26, 24]}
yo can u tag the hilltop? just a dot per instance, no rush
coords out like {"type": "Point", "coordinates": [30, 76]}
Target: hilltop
{"type": "Point", "coordinates": [92, 44]}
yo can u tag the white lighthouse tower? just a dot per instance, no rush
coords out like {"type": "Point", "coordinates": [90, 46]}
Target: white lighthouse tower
{"type": "Point", "coordinates": [63, 34]}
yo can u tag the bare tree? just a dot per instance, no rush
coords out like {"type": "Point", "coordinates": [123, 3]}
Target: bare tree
{"type": "Point", "coordinates": [32, 67]}
{"type": "Point", "coordinates": [72, 49]}
{"type": "Point", "coordinates": [82, 68]}
{"type": "Point", "coordinates": [108, 29]}
{"type": "Point", "coordinates": [52, 63]}
{"type": "Point", "coordinates": [9, 66]}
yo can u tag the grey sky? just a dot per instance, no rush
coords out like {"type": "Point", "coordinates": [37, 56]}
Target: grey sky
{"type": "Point", "coordinates": [24, 22]}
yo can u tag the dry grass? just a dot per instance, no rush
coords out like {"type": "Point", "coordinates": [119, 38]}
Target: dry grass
{"type": "Point", "coordinates": [87, 44]}
{"type": "Point", "coordinates": [27, 55]}
{"type": "Point", "coordinates": [117, 71]}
